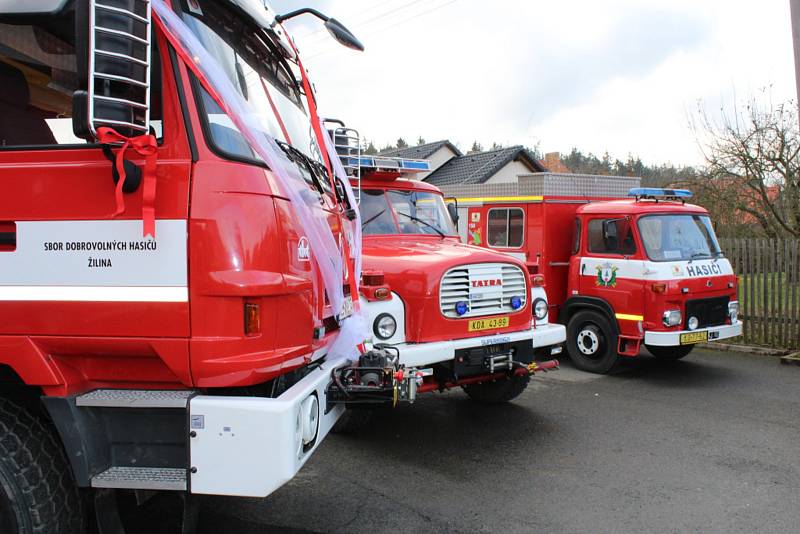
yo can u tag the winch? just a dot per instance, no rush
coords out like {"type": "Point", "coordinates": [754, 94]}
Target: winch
{"type": "Point", "coordinates": [377, 378]}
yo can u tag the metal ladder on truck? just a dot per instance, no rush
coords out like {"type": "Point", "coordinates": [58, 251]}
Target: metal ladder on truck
{"type": "Point", "coordinates": [349, 147]}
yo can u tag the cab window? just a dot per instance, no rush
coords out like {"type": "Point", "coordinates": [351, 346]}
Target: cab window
{"type": "Point", "coordinates": [260, 76]}
{"type": "Point", "coordinates": [611, 236]}
{"type": "Point", "coordinates": [576, 238]}
{"type": "Point", "coordinates": [39, 74]}
{"type": "Point", "coordinates": [505, 227]}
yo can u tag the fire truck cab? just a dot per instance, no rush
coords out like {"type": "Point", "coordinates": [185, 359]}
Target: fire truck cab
{"type": "Point", "coordinates": [460, 315]}
{"type": "Point", "coordinates": [625, 266]}
{"type": "Point", "coordinates": [197, 358]}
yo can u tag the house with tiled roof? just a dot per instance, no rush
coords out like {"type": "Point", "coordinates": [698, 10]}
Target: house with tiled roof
{"type": "Point", "coordinates": [502, 165]}
{"type": "Point", "coordinates": [437, 153]}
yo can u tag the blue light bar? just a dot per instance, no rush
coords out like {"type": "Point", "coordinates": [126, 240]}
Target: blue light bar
{"type": "Point", "coordinates": [658, 193]}
{"type": "Point", "coordinates": [387, 163]}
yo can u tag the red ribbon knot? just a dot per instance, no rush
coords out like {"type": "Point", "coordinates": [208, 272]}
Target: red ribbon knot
{"type": "Point", "coordinates": [146, 146]}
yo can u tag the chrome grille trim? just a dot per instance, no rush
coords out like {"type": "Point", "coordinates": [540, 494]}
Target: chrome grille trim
{"type": "Point", "coordinates": [457, 285]}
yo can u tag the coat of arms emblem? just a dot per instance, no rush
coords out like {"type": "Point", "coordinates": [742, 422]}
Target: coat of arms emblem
{"type": "Point", "coordinates": [606, 275]}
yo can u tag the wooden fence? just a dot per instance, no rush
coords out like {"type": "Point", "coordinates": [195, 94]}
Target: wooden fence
{"type": "Point", "coordinates": [769, 289]}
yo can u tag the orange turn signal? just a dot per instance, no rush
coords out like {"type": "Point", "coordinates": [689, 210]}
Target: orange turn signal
{"type": "Point", "coordinates": [382, 293]}
{"type": "Point", "coordinates": [659, 288]}
{"type": "Point", "coordinates": [537, 280]}
{"type": "Point", "coordinates": [252, 319]}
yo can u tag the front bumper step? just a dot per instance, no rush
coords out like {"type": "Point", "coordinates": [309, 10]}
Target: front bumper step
{"type": "Point", "coordinates": [142, 478]}
{"type": "Point", "coordinates": [135, 398]}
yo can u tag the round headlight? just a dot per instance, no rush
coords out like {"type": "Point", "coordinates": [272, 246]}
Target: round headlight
{"type": "Point", "coordinates": [540, 309]}
{"type": "Point", "coordinates": [693, 323]}
{"type": "Point", "coordinates": [462, 307]}
{"type": "Point", "coordinates": [384, 326]}
{"type": "Point", "coordinates": [516, 302]}
{"type": "Point", "coordinates": [309, 417]}
{"type": "Point", "coordinates": [733, 311]}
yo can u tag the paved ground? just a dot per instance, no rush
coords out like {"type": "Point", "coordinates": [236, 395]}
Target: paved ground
{"type": "Point", "coordinates": [708, 444]}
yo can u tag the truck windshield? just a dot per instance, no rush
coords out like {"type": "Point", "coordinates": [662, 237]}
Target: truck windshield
{"type": "Point", "coordinates": [404, 212]}
{"type": "Point", "coordinates": [256, 69]}
{"type": "Point", "coordinates": [678, 237]}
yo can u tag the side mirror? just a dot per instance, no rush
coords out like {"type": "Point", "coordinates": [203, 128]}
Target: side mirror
{"type": "Point", "coordinates": [453, 211]}
{"type": "Point", "coordinates": [342, 35]}
{"type": "Point", "coordinates": [335, 28]}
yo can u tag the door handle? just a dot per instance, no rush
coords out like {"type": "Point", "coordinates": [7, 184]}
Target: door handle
{"type": "Point", "coordinates": [8, 237]}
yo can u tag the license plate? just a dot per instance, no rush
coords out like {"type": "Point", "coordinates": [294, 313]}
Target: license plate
{"type": "Point", "coordinates": [347, 308]}
{"type": "Point", "coordinates": [694, 337]}
{"type": "Point", "coordinates": [487, 324]}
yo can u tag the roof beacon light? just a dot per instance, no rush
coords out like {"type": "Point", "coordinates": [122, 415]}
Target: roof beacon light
{"type": "Point", "coordinates": [656, 193]}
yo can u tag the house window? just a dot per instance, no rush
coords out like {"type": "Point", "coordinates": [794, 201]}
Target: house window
{"type": "Point", "coordinates": [611, 236]}
{"type": "Point", "coordinates": [505, 227]}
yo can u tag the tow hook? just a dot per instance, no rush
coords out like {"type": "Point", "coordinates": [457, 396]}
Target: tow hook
{"type": "Point", "coordinates": [377, 378]}
{"type": "Point", "coordinates": [535, 367]}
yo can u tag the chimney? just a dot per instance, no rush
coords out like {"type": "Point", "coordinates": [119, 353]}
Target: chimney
{"type": "Point", "coordinates": [552, 162]}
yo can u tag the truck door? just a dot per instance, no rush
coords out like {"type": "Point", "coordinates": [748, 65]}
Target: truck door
{"type": "Point", "coordinates": [472, 233]}
{"type": "Point", "coordinates": [70, 266]}
{"type": "Point", "coordinates": [611, 270]}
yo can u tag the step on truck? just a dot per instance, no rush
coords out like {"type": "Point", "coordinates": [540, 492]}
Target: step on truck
{"type": "Point", "coordinates": [625, 266]}
{"type": "Point", "coordinates": [459, 315]}
{"type": "Point", "coordinates": [164, 321]}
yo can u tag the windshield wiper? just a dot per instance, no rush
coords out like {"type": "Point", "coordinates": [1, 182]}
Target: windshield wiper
{"type": "Point", "coordinates": [364, 223]}
{"type": "Point", "coordinates": [307, 163]}
{"type": "Point", "coordinates": [697, 255]}
{"type": "Point", "coordinates": [426, 223]}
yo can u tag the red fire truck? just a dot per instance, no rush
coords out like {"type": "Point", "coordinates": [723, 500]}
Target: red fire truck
{"type": "Point", "coordinates": [459, 315]}
{"type": "Point", "coordinates": [625, 266]}
{"type": "Point", "coordinates": [193, 359]}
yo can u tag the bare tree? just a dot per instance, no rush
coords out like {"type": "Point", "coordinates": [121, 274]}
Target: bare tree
{"type": "Point", "coordinates": [752, 170]}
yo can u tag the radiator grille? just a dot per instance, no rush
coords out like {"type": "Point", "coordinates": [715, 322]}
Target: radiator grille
{"type": "Point", "coordinates": [709, 312]}
{"type": "Point", "coordinates": [487, 288]}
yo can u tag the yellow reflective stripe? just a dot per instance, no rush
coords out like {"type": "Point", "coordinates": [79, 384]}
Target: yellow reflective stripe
{"type": "Point", "coordinates": [501, 199]}
{"type": "Point", "coordinates": [629, 317]}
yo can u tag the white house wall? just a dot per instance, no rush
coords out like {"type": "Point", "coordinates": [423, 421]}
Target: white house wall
{"type": "Point", "coordinates": [437, 159]}
{"type": "Point", "coordinates": [509, 173]}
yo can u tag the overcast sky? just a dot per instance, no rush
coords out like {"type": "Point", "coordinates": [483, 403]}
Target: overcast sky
{"type": "Point", "coordinates": [615, 75]}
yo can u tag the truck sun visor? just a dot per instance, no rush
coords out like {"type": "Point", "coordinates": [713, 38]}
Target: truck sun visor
{"type": "Point", "coordinates": [325, 251]}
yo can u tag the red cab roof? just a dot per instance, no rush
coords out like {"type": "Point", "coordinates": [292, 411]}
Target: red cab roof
{"type": "Point", "coordinates": [399, 183]}
{"type": "Point", "coordinates": [638, 207]}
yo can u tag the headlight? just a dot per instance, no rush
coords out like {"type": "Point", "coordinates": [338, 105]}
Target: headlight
{"type": "Point", "coordinates": [693, 323]}
{"type": "Point", "coordinates": [540, 309]}
{"type": "Point", "coordinates": [733, 311]}
{"type": "Point", "coordinates": [309, 417]}
{"type": "Point", "coordinates": [384, 326]}
{"type": "Point", "coordinates": [672, 318]}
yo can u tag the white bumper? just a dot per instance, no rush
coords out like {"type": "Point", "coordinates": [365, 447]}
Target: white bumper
{"type": "Point", "coordinates": [250, 446]}
{"type": "Point", "coordinates": [672, 339]}
{"type": "Point", "coordinates": [426, 354]}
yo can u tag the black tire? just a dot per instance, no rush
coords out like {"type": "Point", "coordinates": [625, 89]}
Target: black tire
{"type": "Point", "coordinates": [498, 391]}
{"type": "Point", "coordinates": [670, 354]}
{"type": "Point", "coordinates": [592, 342]}
{"type": "Point", "coordinates": [37, 491]}
{"type": "Point", "coordinates": [353, 420]}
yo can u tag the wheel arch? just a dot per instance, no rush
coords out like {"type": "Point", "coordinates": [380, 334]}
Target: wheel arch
{"type": "Point", "coordinates": [575, 304]}
{"type": "Point", "coordinates": [25, 362]}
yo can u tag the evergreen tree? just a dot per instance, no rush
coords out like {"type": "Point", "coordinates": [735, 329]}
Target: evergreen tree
{"type": "Point", "coordinates": [401, 143]}
{"type": "Point", "coordinates": [420, 141]}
